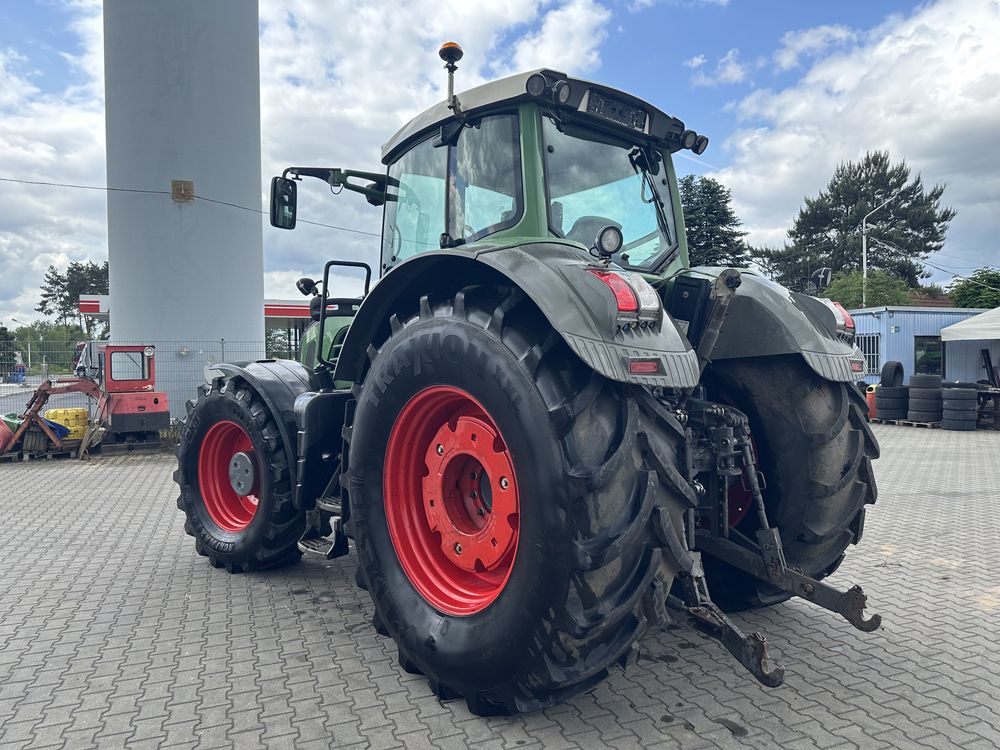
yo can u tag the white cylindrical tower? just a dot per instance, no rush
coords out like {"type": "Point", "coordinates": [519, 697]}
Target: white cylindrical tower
{"type": "Point", "coordinates": [182, 93]}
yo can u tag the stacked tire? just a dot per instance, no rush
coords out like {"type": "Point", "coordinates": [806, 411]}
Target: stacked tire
{"type": "Point", "coordinates": [891, 402]}
{"type": "Point", "coordinates": [925, 403]}
{"type": "Point", "coordinates": [959, 408]}
{"type": "Point", "coordinates": [891, 374]}
{"type": "Point", "coordinates": [891, 396]}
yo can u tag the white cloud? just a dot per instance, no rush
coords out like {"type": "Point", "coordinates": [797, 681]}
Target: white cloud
{"type": "Point", "coordinates": [14, 87]}
{"type": "Point", "coordinates": [814, 41]}
{"type": "Point", "coordinates": [728, 69]}
{"type": "Point", "coordinates": [696, 62]}
{"type": "Point", "coordinates": [337, 79]}
{"type": "Point", "coordinates": [925, 87]}
{"type": "Point", "coordinates": [50, 136]}
{"type": "Point", "coordinates": [569, 39]}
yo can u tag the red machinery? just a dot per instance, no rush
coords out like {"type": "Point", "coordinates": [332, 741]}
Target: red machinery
{"type": "Point", "coordinates": [121, 379]}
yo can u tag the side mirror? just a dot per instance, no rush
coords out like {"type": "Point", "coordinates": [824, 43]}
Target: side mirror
{"type": "Point", "coordinates": [822, 277]}
{"type": "Point", "coordinates": [284, 194]}
{"type": "Point", "coordinates": [306, 285]}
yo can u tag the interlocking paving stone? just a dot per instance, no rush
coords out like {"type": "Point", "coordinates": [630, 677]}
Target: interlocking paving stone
{"type": "Point", "coordinates": [113, 633]}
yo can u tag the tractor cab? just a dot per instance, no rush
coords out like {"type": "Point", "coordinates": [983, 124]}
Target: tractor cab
{"type": "Point", "coordinates": [118, 368]}
{"type": "Point", "coordinates": [538, 157]}
{"type": "Point", "coordinates": [129, 403]}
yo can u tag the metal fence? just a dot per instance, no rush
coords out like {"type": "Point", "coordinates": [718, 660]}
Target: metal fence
{"type": "Point", "coordinates": [181, 366]}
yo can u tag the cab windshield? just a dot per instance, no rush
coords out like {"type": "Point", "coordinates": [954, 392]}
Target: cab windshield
{"type": "Point", "coordinates": [592, 184]}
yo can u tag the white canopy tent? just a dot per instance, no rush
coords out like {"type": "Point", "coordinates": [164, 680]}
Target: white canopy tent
{"type": "Point", "coordinates": [982, 327]}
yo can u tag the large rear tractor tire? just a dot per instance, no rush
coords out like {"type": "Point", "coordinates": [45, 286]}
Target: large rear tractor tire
{"type": "Point", "coordinates": [509, 507]}
{"type": "Point", "coordinates": [815, 450]}
{"type": "Point", "coordinates": [235, 482]}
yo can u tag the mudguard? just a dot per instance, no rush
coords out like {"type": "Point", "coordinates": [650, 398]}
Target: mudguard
{"type": "Point", "coordinates": [765, 318]}
{"type": "Point", "coordinates": [278, 382]}
{"type": "Point", "coordinates": [554, 276]}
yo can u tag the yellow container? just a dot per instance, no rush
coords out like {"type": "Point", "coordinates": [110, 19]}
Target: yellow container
{"type": "Point", "coordinates": [75, 420]}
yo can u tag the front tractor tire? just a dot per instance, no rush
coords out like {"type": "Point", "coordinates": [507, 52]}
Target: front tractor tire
{"type": "Point", "coordinates": [815, 449]}
{"type": "Point", "coordinates": [504, 501]}
{"type": "Point", "coordinates": [235, 485]}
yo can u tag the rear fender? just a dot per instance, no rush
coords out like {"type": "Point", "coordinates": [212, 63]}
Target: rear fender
{"type": "Point", "coordinates": [554, 276]}
{"type": "Point", "coordinates": [766, 319]}
{"type": "Point", "coordinates": [278, 382]}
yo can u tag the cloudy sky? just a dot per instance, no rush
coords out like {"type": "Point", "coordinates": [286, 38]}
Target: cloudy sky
{"type": "Point", "coordinates": [785, 89]}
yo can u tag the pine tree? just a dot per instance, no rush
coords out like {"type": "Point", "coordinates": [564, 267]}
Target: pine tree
{"type": "Point", "coordinates": [61, 291]}
{"type": "Point", "coordinates": [714, 237]}
{"type": "Point", "coordinates": [827, 231]}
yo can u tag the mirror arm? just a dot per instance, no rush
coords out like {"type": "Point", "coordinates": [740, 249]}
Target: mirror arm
{"type": "Point", "coordinates": [339, 178]}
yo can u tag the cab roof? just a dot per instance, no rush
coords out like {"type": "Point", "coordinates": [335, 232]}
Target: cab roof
{"type": "Point", "coordinates": [600, 106]}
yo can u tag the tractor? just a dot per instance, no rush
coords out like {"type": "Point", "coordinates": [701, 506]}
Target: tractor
{"type": "Point", "coordinates": [540, 432]}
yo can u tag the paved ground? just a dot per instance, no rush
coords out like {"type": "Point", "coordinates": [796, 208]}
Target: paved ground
{"type": "Point", "coordinates": [113, 632]}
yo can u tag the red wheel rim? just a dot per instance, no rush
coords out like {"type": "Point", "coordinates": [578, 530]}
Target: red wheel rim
{"type": "Point", "coordinates": [451, 500]}
{"type": "Point", "coordinates": [228, 510]}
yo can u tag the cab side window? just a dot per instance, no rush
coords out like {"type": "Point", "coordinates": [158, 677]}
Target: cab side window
{"type": "Point", "coordinates": [446, 196]}
{"type": "Point", "coordinates": [414, 208]}
{"type": "Point", "coordinates": [485, 179]}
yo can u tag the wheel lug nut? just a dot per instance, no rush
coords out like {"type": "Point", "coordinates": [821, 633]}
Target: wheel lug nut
{"type": "Point", "coordinates": [458, 548]}
{"type": "Point", "coordinates": [474, 476]}
{"type": "Point", "coordinates": [440, 449]}
{"type": "Point", "coordinates": [473, 494]}
{"type": "Point", "coordinates": [481, 511]}
{"type": "Point", "coordinates": [504, 484]}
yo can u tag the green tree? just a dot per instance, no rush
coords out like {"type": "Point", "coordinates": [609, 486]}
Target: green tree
{"type": "Point", "coordinates": [933, 291]}
{"type": "Point", "coordinates": [61, 291]}
{"type": "Point", "coordinates": [50, 343]}
{"type": "Point", "coordinates": [981, 289]}
{"type": "Point", "coordinates": [54, 300]}
{"type": "Point", "coordinates": [883, 289]}
{"type": "Point", "coordinates": [714, 237]}
{"type": "Point", "coordinates": [827, 231]}
{"type": "Point", "coordinates": [276, 343]}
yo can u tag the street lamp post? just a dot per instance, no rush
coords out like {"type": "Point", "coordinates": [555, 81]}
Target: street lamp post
{"type": "Point", "coordinates": [864, 245]}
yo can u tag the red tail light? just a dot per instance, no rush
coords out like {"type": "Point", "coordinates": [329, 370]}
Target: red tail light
{"type": "Point", "coordinates": [848, 320]}
{"type": "Point", "coordinates": [624, 296]}
{"type": "Point", "coordinates": [644, 366]}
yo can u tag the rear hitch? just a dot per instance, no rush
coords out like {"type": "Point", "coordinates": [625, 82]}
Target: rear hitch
{"type": "Point", "coordinates": [768, 565]}
{"type": "Point", "coordinates": [732, 454]}
{"type": "Point", "coordinates": [750, 650]}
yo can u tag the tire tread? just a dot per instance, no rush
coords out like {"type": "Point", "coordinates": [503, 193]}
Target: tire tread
{"type": "Point", "coordinates": [618, 572]}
